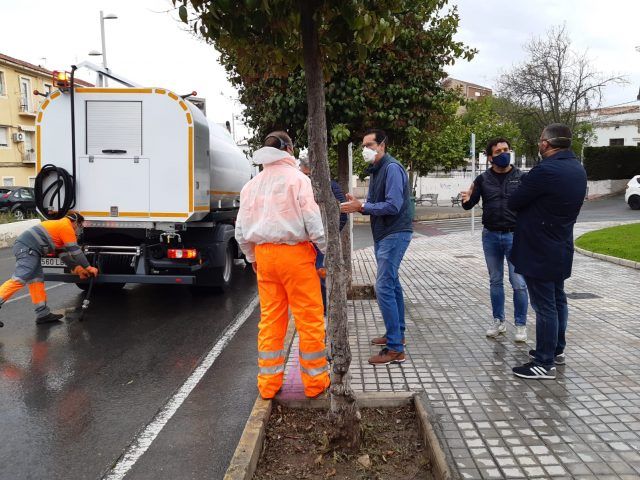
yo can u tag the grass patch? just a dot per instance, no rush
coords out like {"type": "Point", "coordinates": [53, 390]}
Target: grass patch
{"type": "Point", "coordinates": [622, 241]}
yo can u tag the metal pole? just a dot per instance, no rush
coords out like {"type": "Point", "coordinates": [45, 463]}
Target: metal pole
{"type": "Point", "coordinates": [473, 174]}
{"type": "Point", "coordinates": [350, 217]}
{"type": "Point", "coordinates": [105, 81]}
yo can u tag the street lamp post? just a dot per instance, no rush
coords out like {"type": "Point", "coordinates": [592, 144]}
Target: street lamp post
{"type": "Point", "coordinates": [103, 17]}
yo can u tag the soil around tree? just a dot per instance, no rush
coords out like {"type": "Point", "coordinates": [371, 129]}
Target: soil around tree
{"type": "Point", "coordinates": [296, 447]}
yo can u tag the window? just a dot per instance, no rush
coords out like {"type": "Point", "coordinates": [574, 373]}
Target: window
{"type": "Point", "coordinates": [25, 95]}
{"type": "Point", "coordinates": [26, 194]}
{"type": "Point", "coordinates": [28, 142]}
{"type": "Point", "coordinates": [619, 142]}
{"type": "Point", "coordinates": [4, 137]}
{"type": "Point", "coordinates": [3, 87]}
{"type": "Point", "coordinates": [32, 182]}
{"type": "Point", "coordinates": [8, 181]}
{"type": "Point", "coordinates": [48, 89]}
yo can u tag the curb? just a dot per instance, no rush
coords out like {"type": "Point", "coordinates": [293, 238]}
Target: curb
{"type": "Point", "coordinates": [608, 258]}
{"type": "Point", "coordinates": [245, 458]}
{"type": "Point", "coordinates": [360, 219]}
{"type": "Point", "coordinates": [247, 454]}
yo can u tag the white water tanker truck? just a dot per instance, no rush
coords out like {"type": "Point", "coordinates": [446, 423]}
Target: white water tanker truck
{"type": "Point", "coordinates": [157, 183]}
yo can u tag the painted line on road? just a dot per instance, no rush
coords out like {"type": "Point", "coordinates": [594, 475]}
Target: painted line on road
{"type": "Point", "coordinates": [145, 438]}
{"type": "Point", "coordinates": [28, 294]}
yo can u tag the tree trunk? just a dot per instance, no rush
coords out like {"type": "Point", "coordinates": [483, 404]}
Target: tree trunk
{"type": "Point", "coordinates": [344, 410]}
{"type": "Point", "coordinates": [344, 179]}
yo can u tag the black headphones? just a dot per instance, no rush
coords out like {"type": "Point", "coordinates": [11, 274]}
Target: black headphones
{"type": "Point", "coordinates": [283, 144]}
{"type": "Point", "coordinates": [74, 217]}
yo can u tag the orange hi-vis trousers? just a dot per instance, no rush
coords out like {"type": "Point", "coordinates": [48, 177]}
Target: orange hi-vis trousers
{"type": "Point", "coordinates": [28, 272]}
{"type": "Point", "coordinates": [287, 277]}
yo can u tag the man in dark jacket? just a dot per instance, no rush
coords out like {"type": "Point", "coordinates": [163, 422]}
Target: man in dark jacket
{"type": "Point", "coordinates": [494, 187]}
{"type": "Point", "coordinates": [548, 203]}
{"type": "Point", "coordinates": [391, 224]}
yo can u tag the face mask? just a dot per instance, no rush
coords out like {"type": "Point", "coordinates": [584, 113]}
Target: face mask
{"type": "Point", "coordinates": [502, 160]}
{"type": "Point", "coordinates": [369, 155]}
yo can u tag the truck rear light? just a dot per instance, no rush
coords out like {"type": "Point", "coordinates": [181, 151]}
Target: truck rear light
{"type": "Point", "coordinates": [182, 253]}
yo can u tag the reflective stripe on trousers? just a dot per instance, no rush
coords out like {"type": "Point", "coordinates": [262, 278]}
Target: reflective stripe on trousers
{"type": "Point", "coordinates": [287, 278]}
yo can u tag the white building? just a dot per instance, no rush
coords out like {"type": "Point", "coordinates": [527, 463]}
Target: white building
{"type": "Point", "coordinates": [615, 125]}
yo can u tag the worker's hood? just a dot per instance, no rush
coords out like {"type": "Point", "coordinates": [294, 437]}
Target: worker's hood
{"type": "Point", "coordinates": [267, 155]}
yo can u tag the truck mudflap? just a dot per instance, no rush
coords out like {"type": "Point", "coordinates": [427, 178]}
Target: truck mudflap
{"type": "Point", "coordinates": [107, 278]}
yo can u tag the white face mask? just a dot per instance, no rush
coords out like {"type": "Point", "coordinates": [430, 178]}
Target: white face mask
{"type": "Point", "coordinates": [369, 155]}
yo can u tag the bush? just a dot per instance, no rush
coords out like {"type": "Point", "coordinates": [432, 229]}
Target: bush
{"type": "Point", "coordinates": [611, 163]}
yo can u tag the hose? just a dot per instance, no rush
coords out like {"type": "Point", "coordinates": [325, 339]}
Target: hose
{"type": "Point", "coordinates": [54, 201]}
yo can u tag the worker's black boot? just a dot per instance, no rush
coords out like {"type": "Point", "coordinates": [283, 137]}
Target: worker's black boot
{"type": "Point", "coordinates": [50, 318]}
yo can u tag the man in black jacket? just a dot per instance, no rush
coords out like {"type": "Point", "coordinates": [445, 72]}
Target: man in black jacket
{"type": "Point", "coordinates": [494, 187]}
{"type": "Point", "coordinates": [548, 203]}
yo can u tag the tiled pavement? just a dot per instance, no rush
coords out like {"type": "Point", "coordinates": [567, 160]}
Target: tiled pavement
{"type": "Point", "coordinates": [585, 424]}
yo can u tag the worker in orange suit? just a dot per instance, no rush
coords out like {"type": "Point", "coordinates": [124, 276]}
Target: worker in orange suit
{"type": "Point", "coordinates": [39, 241]}
{"type": "Point", "coordinates": [276, 225]}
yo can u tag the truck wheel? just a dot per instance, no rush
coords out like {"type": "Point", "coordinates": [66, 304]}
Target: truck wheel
{"type": "Point", "coordinates": [634, 202]}
{"type": "Point", "coordinates": [226, 272]}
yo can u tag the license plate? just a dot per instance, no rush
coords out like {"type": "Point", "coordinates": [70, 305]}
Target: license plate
{"type": "Point", "coordinates": [52, 262]}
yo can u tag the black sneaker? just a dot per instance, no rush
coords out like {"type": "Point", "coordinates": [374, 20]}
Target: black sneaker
{"type": "Point", "coordinates": [50, 318]}
{"type": "Point", "coordinates": [560, 358]}
{"type": "Point", "coordinates": [535, 372]}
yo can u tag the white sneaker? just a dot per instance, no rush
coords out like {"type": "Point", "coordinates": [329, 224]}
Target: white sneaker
{"type": "Point", "coordinates": [497, 328]}
{"type": "Point", "coordinates": [521, 333]}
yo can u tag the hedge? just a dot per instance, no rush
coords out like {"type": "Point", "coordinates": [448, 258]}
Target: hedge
{"type": "Point", "coordinates": [611, 163]}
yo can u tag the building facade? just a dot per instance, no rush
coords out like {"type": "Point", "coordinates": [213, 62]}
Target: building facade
{"type": "Point", "coordinates": [470, 91]}
{"type": "Point", "coordinates": [614, 125]}
{"type": "Point", "coordinates": [18, 108]}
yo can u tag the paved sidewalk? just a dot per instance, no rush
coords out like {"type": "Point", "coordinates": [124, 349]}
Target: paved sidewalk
{"type": "Point", "coordinates": [585, 424]}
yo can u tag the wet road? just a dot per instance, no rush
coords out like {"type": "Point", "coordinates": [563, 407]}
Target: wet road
{"type": "Point", "coordinates": [73, 396]}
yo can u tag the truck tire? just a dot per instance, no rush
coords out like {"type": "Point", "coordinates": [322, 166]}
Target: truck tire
{"type": "Point", "coordinates": [634, 202]}
{"type": "Point", "coordinates": [217, 279]}
{"type": "Point", "coordinates": [224, 274]}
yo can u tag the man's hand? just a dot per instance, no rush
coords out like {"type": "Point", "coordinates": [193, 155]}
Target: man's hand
{"type": "Point", "coordinates": [92, 271]}
{"type": "Point", "coordinates": [351, 205]}
{"type": "Point", "coordinates": [254, 265]}
{"type": "Point", "coordinates": [81, 272]}
{"type": "Point", "coordinates": [466, 194]}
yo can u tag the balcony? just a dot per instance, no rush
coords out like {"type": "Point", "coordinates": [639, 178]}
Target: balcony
{"type": "Point", "coordinates": [29, 157]}
{"type": "Point", "coordinates": [25, 108]}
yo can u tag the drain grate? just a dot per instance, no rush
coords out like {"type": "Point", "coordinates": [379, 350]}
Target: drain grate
{"type": "Point", "coordinates": [582, 296]}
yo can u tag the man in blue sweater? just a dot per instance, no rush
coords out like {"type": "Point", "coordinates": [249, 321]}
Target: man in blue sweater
{"type": "Point", "coordinates": [388, 205]}
{"type": "Point", "coordinates": [548, 202]}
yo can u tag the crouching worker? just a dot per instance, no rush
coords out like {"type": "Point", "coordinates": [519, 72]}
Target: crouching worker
{"type": "Point", "coordinates": [31, 246]}
{"type": "Point", "coordinates": [276, 225]}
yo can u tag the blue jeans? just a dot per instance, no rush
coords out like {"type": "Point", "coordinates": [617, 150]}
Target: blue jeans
{"type": "Point", "coordinates": [497, 248]}
{"type": "Point", "coordinates": [389, 252]}
{"type": "Point", "coordinates": [550, 304]}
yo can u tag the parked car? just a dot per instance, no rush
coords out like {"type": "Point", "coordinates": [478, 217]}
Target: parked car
{"type": "Point", "coordinates": [18, 201]}
{"type": "Point", "coordinates": [632, 195]}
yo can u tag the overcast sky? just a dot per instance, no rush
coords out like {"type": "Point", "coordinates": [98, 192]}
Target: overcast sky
{"type": "Point", "coordinates": [608, 29]}
{"type": "Point", "coordinates": [149, 46]}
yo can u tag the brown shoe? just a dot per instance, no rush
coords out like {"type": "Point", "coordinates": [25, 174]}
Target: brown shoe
{"type": "Point", "coordinates": [387, 356]}
{"type": "Point", "coordinates": [382, 341]}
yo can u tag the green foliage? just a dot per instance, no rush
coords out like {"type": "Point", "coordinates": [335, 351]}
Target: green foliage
{"type": "Point", "coordinates": [396, 87]}
{"type": "Point", "coordinates": [611, 163]}
{"type": "Point", "coordinates": [262, 38]}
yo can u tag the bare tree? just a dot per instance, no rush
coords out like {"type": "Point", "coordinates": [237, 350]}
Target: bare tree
{"type": "Point", "coordinates": [555, 82]}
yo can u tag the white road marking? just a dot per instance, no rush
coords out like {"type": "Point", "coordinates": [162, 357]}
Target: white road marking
{"type": "Point", "coordinates": [26, 294]}
{"type": "Point", "coordinates": [145, 438]}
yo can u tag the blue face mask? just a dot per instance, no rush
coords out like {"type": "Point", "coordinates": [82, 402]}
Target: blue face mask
{"type": "Point", "coordinates": [502, 160]}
